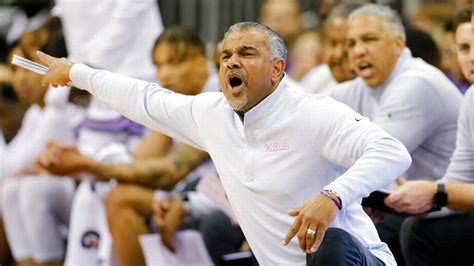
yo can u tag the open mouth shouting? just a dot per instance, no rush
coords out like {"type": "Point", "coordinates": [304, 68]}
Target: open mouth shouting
{"type": "Point", "coordinates": [235, 83]}
{"type": "Point", "coordinates": [365, 69]}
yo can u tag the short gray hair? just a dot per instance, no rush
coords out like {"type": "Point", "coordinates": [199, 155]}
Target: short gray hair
{"type": "Point", "coordinates": [275, 43]}
{"type": "Point", "coordinates": [389, 16]}
{"type": "Point", "coordinates": [345, 8]}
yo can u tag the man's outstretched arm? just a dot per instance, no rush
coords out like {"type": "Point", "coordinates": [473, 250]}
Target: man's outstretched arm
{"type": "Point", "coordinates": [172, 114]}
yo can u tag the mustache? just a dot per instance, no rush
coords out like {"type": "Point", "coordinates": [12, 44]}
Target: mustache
{"type": "Point", "coordinates": [235, 73]}
{"type": "Point", "coordinates": [338, 62]}
{"type": "Point", "coordinates": [335, 63]}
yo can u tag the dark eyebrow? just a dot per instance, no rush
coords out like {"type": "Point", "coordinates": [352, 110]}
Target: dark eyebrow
{"type": "Point", "coordinates": [245, 47]}
{"type": "Point", "coordinates": [240, 49]}
{"type": "Point", "coordinates": [369, 35]}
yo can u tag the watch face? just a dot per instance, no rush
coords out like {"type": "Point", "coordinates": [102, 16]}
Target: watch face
{"type": "Point", "coordinates": [441, 197]}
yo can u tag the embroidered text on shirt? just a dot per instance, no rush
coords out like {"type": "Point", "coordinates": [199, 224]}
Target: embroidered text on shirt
{"type": "Point", "coordinates": [277, 146]}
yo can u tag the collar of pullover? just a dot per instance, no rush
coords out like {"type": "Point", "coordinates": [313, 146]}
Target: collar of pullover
{"type": "Point", "coordinates": [269, 105]}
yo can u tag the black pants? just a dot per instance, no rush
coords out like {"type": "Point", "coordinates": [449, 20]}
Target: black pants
{"type": "Point", "coordinates": [220, 236]}
{"type": "Point", "coordinates": [389, 232]}
{"type": "Point", "coordinates": [441, 241]}
{"type": "Point", "coordinates": [340, 248]}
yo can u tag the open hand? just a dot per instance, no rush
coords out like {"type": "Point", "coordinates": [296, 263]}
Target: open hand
{"type": "Point", "coordinates": [312, 221]}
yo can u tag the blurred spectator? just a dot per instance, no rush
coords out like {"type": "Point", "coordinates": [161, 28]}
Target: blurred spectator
{"type": "Point", "coordinates": [27, 16]}
{"type": "Point", "coordinates": [11, 111]}
{"type": "Point", "coordinates": [335, 69]}
{"type": "Point", "coordinates": [11, 115]}
{"type": "Point", "coordinates": [49, 116]}
{"type": "Point", "coordinates": [116, 36]}
{"type": "Point", "coordinates": [463, 40]}
{"type": "Point", "coordinates": [450, 64]}
{"type": "Point", "coordinates": [410, 99]}
{"type": "Point", "coordinates": [324, 8]}
{"type": "Point", "coordinates": [305, 53]}
{"type": "Point", "coordinates": [283, 16]}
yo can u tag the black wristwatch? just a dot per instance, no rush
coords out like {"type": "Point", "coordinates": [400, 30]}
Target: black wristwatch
{"type": "Point", "coordinates": [441, 197]}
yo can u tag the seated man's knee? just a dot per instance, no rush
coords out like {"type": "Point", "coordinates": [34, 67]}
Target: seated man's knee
{"type": "Point", "coordinates": [129, 199]}
{"type": "Point", "coordinates": [116, 200]}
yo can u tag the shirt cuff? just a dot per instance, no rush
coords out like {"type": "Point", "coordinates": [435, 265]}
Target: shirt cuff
{"type": "Point", "coordinates": [79, 75]}
{"type": "Point", "coordinates": [345, 201]}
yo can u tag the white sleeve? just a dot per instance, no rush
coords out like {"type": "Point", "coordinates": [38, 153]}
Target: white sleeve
{"type": "Point", "coordinates": [146, 103]}
{"type": "Point", "coordinates": [373, 158]}
{"type": "Point", "coordinates": [461, 168]}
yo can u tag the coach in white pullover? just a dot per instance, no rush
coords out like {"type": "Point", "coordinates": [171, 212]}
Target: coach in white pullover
{"type": "Point", "coordinates": [274, 148]}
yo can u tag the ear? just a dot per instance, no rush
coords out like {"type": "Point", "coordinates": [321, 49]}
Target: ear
{"type": "Point", "coordinates": [400, 43]}
{"type": "Point", "coordinates": [278, 69]}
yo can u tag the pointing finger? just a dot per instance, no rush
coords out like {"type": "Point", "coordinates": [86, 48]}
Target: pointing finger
{"type": "Point", "coordinates": [47, 59]}
{"type": "Point", "coordinates": [293, 230]}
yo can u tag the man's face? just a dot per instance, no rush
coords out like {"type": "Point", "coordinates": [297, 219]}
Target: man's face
{"type": "Point", "coordinates": [182, 76]}
{"type": "Point", "coordinates": [248, 73]}
{"type": "Point", "coordinates": [372, 50]}
{"type": "Point", "coordinates": [27, 84]}
{"type": "Point", "coordinates": [465, 42]}
{"type": "Point", "coordinates": [335, 55]}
